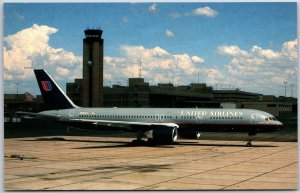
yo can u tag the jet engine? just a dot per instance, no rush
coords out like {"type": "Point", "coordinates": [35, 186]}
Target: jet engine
{"type": "Point", "coordinates": [162, 135]}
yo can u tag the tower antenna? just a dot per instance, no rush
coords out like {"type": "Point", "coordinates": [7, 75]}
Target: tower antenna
{"type": "Point", "coordinates": [140, 74]}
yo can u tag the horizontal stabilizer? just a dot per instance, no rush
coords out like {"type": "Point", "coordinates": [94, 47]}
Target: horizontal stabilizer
{"type": "Point", "coordinates": [40, 115]}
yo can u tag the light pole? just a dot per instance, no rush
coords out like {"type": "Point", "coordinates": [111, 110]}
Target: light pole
{"type": "Point", "coordinates": [17, 87]}
{"type": "Point", "coordinates": [17, 90]}
{"type": "Point", "coordinates": [285, 83]}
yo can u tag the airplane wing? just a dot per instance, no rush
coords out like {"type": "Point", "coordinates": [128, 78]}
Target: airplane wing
{"type": "Point", "coordinates": [125, 124]}
{"type": "Point", "coordinates": [40, 115]}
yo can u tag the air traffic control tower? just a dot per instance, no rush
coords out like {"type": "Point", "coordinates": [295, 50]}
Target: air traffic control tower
{"type": "Point", "coordinates": [92, 87]}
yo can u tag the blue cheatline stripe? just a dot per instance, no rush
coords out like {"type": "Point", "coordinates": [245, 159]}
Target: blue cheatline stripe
{"type": "Point", "coordinates": [49, 85]}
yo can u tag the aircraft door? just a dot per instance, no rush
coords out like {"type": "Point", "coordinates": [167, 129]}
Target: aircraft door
{"type": "Point", "coordinates": [159, 117]}
{"type": "Point", "coordinates": [199, 118]}
{"type": "Point", "coordinates": [71, 114]}
{"type": "Point", "coordinates": [253, 117]}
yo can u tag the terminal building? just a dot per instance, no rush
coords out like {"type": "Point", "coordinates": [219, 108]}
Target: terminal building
{"type": "Point", "coordinates": [139, 93]}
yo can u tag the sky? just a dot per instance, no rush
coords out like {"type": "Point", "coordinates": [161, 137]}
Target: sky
{"type": "Point", "coordinates": [250, 46]}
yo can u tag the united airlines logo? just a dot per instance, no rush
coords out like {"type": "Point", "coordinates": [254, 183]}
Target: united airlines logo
{"type": "Point", "coordinates": [46, 85]}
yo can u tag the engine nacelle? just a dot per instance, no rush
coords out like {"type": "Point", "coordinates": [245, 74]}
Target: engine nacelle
{"type": "Point", "coordinates": [163, 135]}
{"type": "Point", "coordinates": [190, 134]}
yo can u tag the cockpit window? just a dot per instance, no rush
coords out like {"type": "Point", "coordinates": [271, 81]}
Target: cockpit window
{"type": "Point", "coordinates": [270, 119]}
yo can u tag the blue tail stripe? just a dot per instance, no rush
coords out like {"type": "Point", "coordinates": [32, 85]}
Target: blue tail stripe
{"type": "Point", "coordinates": [49, 86]}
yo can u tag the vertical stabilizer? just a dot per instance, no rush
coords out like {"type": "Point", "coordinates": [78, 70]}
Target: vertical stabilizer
{"type": "Point", "coordinates": [52, 94]}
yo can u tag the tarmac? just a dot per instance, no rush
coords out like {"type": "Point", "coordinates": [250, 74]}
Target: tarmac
{"type": "Point", "coordinates": [112, 163]}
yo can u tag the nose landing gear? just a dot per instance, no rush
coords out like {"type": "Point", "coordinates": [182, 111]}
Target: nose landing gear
{"type": "Point", "coordinates": [250, 139]}
{"type": "Point", "coordinates": [251, 133]}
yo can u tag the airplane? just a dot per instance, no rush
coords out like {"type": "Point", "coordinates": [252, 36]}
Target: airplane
{"type": "Point", "coordinates": [159, 125]}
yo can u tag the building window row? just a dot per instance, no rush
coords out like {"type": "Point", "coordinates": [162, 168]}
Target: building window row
{"type": "Point", "coordinates": [284, 105]}
{"type": "Point", "coordinates": [282, 113]}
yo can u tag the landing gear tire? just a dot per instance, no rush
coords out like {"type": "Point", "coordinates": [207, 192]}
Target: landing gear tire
{"type": "Point", "coordinates": [249, 144]}
{"type": "Point", "coordinates": [250, 137]}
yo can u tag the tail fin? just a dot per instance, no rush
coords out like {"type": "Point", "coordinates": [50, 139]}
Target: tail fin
{"type": "Point", "coordinates": [53, 96]}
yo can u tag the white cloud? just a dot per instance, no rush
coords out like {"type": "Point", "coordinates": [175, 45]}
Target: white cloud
{"type": "Point", "coordinates": [268, 54]}
{"type": "Point", "coordinates": [197, 59]}
{"type": "Point", "coordinates": [159, 52]}
{"type": "Point", "coordinates": [31, 40]}
{"type": "Point", "coordinates": [152, 8]}
{"type": "Point", "coordinates": [158, 65]}
{"type": "Point", "coordinates": [262, 70]}
{"type": "Point", "coordinates": [62, 71]}
{"type": "Point", "coordinates": [204, 11]}
{"type": "Point", "coordinates": [184, 62]}
{"type": "Point", "coordinates": [30, 48]}
{"type": "Point", "coordinates": [232, 50]}
{"type": "Point", "coordinates": [289, 50]}
{"type": "Point", "coordinates": [214, 76]}
{"type": "Point", "coordinates": [169, 34]}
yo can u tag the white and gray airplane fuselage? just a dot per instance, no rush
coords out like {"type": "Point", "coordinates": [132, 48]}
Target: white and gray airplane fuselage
{"type": "Point", "coordinates": [196, 119]}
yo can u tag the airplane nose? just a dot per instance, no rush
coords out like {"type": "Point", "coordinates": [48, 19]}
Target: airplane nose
{"type": "Point", "coordinates": [280, 126]}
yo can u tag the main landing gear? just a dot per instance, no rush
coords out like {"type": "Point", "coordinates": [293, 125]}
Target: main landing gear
{"type": "Point", "coordinates": [251, 133]}
{"type": "Point", "coordinates": [138, 141]}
